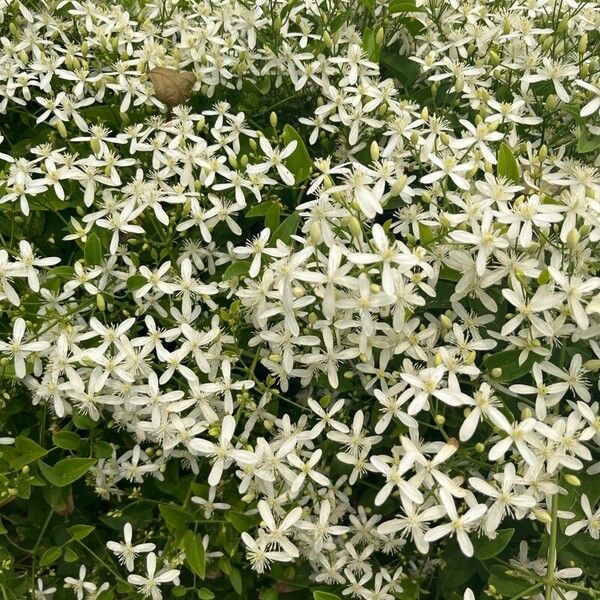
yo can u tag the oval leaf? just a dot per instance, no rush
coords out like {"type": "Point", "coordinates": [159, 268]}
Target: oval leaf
{"type": "Point", "coordinates": [66, 471]}
{"type": "Point", "coordinates": [194, 553]}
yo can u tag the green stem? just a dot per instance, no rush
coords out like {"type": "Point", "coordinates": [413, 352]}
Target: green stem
{"type": "Point", "coordinates": [550, 578]}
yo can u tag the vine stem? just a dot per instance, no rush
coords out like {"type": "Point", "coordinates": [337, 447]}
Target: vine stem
{"type": "Point", "coordinates": [550, 578]}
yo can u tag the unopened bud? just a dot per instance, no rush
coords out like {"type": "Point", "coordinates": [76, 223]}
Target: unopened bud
{"type": "Point", "coordinates": [315, 233]}
{"type": "Point", "coordinates": [100, 302]}
{"type": "Point", "coordinates": [572, 480]}
{"type": "Point", "coordinates": [551, 102]}
{"type": "Point", "coordinates": [572, 239]}
{"type": "Point", "coordinates": [96, 145]}
{"type": "Point", "coordinates": [273, 119]}
{"type": "Point", "coordinates": [439, 420]}
{"type": "Point", "coordinates": [526, 413]}
{"type": "Point", "coordinates": [374, 150]}
{"type": "Point", "coordinates": [354, 227]}
{"type": "Point", "coordinates": [543, 153]}
{"type": "Point", "coordinates": [479, 447]}
{"type": "Point", "coordinates": [496, 372]}
{"type": "Point", "coordinates": [379, 36]}
{"type": "Point", "coordinates": [592, 365]}
{"type": "Point", "coordinates": [61, 128]}
{"type": "Point", "coordinates": [542, 515]}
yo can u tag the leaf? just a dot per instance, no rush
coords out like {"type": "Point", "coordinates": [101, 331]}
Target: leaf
{"type": "Point", "coordinates": [241, 521]}
{"type": "Point", "coordinates": [174, 516]}
{"type": "Point", "coordinates": [241, 267]}
{"type": "Point", "coordinates": [370, 45]}
{"type": "Point", "coordinates": [93, 250]}
{"type": "Point", "coordinates": [79, 532]}
{"type": "Point", "coordinates": [319, 595]}
{"type": "Point", "coordinates": [66, 471]}
{"type": "Point", "coordinates": [584, 543]}
{"type": "Point", "coordinates": [135, 282]}
{"type": "Point", "coordinates": [50, 556]}
{"type": "Point", "coordinates": [259, 210]}
{"type": "Point", "coordinates": [505, 584]}
{"type": "Point", "coordinates": [272, 216]}
{"type": "Point", "coordinates": [67, 440]}
{"type": "Point", "coordinates": [285, 231]}
{"type": "Point", "coordinates": [486, 548]}
{"type": "Point", "coordinates": [508, 361]}
{"type": "Point", "coordinates": [205, 594]}
{"type": "Point", "coordinates": [24, 452]}
{"type": "Point", "coordinates": [235, 579]}
{"type": "Point", "coordinates": [507, 164]}
{"type": "Point", "coordinates": [299, 162]}
{"type": "Point", "coordinates": [404, 6]}
{"type": "Point", "coordinates": [585, 144]}
{"type": "Point", "coordinates": [170, 86]}
{"type": "Point", "coordinates": [194, 553]}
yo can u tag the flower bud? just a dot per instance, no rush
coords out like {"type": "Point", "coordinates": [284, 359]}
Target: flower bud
{"type": "Point", "coordinates": [446, 322]}
{"type": "Point", "coordinates": [374, 150]}
{"type": "Point", "coordinates": [354, 227]}
{"type": "Point", "coordinates": [526, 413]}
{"type": "Point", "coordinates": [439, 420]}
{"type": "Point", "coordinates": [592, 365]}
{"type": "Point", "coordinates": [479, 447]}
{"type": "Point", "coordinates": [572, 480]}
{"type": "Point", "coordinates": [572, 239]}
{"type": "Point", "coordinates": [315, 233]}
{"type": "Point", "coordinates": [459, 84]}
{"type": "Point", "coordinates": [100, 302]}
{"type": "Point", "coordinates": [496, 372]}
{"type": "Point", "coordinates": [96, 145]}
{"type": "Point", "coordinates": [542, 515]}
{"type": "Point", "coordinates": [61, 128]}
{"type": "Point", "coordinates": [273, 119]}
{"type": "Point", "coordinates": [379, 36]}
{"type": "Point", "coordinates": [551, 102]}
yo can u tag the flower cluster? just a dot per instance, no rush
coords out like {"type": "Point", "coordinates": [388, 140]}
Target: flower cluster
{"type": "Point", "coordinates": [318, 281]}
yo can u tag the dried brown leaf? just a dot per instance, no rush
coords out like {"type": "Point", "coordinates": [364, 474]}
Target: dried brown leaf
{"type": "Point", "coordinates": [170, 86]}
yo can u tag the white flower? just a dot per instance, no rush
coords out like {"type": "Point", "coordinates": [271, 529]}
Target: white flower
{"type": "Point", "coordinates": [19, 350]}
{"type": "Point", "coordinates": [125, 551]}
{"type": "Point", "coordinates": [150, 584]}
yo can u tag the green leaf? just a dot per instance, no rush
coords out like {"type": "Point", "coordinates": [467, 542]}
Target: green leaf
{"type": "Point", "coordinates": [93, 250]}
{"type": "Point", "coordinates": [67, 440]}
{"type": "Point", "coordinates": [272, 216]}
{"type": "Point", "coordinates": [236, 269]}
{"type": "Point", "coordinates": [370, 45]}
{"type": "Point", "coordinates": [174, 516]}
{"type": "Point", "coordinates": [23, 453]}
{"type": "Point", "coordinates": [320, 595]}
{"type": "Point", "coordinates": [507, 164]}
{"type": "Point", "coordinates": [70, 555]}
{"type": "Point", "coordinates": [486, 548]}
{"type": "Point", "coordinates": [66, 471]}
{"type": "Point", "coordinates": [205, 594]}
{"type": "Point", "coordinates": [508, 361]}
{"type": "Point", "coordinates": [285, 231]}
{"type": "Point", "coordinates": [585, 144]}
{"type": "Point", "coordinates": [299, 162]}
{"type": "Point", "coordinates": [135, 282]}
{"type": "Point", "coordinates": [50, 556]}
{"type": "Point", "coordinates": [260, 210]}
{"type": "Point", "coordinates": [79, 532]}
{"type": "Point", "coordinates": [194, 553]}
{"type": "Point", "coordinates": [235, 578]}
{"type": "Point", "coordinates": [458, 569]}
{"type": "Point", "coordinates": [404, 6]}
{"type": "Point", "coordinates": [505, 584]}
{"type": "Point", "coordinates": [241, 521]}
{"type": "Point", "coordinates": [586, 544]}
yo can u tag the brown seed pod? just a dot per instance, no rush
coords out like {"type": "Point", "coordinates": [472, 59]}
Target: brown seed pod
{"type": "Point", "coordinates": [170, 86]}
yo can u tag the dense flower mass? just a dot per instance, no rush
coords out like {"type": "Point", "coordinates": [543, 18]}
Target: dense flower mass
{"type": "Point", "coordinates": [300, 299]}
